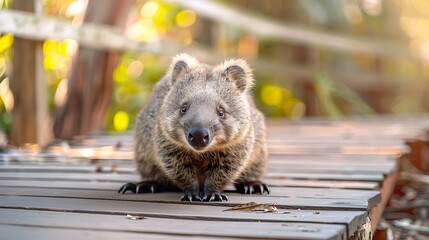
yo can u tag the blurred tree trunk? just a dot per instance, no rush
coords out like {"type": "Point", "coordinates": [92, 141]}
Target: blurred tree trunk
{"type": "Point", "coordinates": [91, 84]}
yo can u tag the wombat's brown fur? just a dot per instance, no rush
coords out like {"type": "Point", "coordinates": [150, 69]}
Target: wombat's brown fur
{"type": "Point", "coordinates": [201, 131]}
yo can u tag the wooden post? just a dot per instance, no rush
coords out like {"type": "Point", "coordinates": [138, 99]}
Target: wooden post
{"type": "Point", "coordinates": [419, 152]}
{"type": "Point", "coordinates": [30, 112]}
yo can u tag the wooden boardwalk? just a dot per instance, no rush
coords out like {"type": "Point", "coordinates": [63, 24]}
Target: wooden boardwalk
{"type": "Point", "coordinates": [329, 180]}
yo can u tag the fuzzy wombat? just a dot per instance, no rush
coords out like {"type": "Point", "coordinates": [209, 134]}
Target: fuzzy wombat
{"type": "Point", "coordinates": [201, 131]}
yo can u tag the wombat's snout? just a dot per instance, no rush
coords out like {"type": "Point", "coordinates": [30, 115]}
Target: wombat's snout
{"type": "Point", "coordinates": [198, 137]}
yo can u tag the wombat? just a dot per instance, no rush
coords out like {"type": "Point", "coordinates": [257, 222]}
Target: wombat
{"type": "Point", "coordinates": [200, 131]}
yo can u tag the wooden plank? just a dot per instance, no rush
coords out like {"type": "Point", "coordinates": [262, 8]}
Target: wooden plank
{"type": "Point", "coordinates": [321, 176]}
{"type": "Point", "coordinates": [310, 201]}
{"type": "Point", "coordinates": [271, 182]}
{"type": "Point", "coordinates": [282, 134]}
{"type": "Point", "coordinates": [279, 149]}
{"type": "Point", "coordinates": [334, 157]}
{"type": "Point", "coordinates": [284, 167]}
{"type": "Point", "coordinates": [122, 178]}
{"type": "Point", "coordinates": [315, 141]}
{"type": "Point", "coordinates": [111, 177]}
{"type": "Point", "coordinates": [177, 227]}
{"type": "Point", "coordinates": [289, 192]}
{"type": "Point", "coordinates": [353, 219]}
{"type": "Point", "coordinates": [134, 177]}
{"type": "Point", "coordinates": [90, 185]}
{"type": "Point", "coordinates": [89, 168]}
{"type": "Point", "coordinates": [320, 168]}
{"type": "Point", "coordinates": [87, 154]}
{"type": "Point", "coordinates": [106, 175]}
{"type": "Point", "coordinates": [43, 233]}
{"type": "Point", "coordinates": [362, 160]}
{"type": "Point", "coordinates": [14, 157]}
{"type": "Point", "coordinates": [322, 184]}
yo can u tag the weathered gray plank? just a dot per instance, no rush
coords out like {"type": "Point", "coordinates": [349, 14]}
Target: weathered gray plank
{"type": "Point", "coordinates": [333, 169]}
{"type": "Point", "coordinates": [284, 167]}
{"type": "Point", "coordinates": [87, 168]}
{"type": "Point", "coordinates": [323, 184]}
{"type": "Point", "coordinates": [177, 227]}
{"type": "Point", "coordinates": [370, 177]}
{"type": "Point", "coordinates": [135, 177]}
{"type": "Point", "coordinates": [328, 157]}
{"type": "Point", "coordinates": [353, 219]}
{"type": "Point", "coordinates": [13, 157]}
{"type": "Point", "coordinates": [43, 233]}
{"type": "Point", "coordinates": [281, 149]}
{"type": "Point", "coordinates": [112, 177]}
{"type": "Point", "coordinates": [288, 192]}
{"type": "Point", "coordinates": [283, 182]}
{"type": "Point", "coordinates": [234, 198]}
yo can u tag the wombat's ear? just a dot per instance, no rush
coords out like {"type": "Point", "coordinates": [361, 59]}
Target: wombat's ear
{"type": "Point", "coordinates": [239, 72]}
{"type": "Point", "coordinates": [181, 64]}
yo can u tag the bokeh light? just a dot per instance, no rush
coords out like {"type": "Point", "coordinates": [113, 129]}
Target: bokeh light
{"type": "Point", "coordinates": [271, 95]}
{"type": "Point", "coordinates": [6, 95]}
{"type": "Point", "coordinates": [186, 18]}
{"type": "Point", "coordinates": [6, 41]}
{"type": "Point", "coordinates": [121, 121]}
{"type": "Point", "coordinates": [149, 9]}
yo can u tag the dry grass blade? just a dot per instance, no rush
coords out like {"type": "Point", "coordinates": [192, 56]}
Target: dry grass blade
{"type": "Point", "coordinates": [264, 208]}
{"type": "Point", "coordinates": [254, 207]}
{"type": "Point", "coordinates": [242, 207]}
{"type": "Point", "coordinates": [133, 217]}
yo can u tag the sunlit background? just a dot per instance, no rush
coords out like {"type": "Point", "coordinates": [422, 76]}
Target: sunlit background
{"type": "Point", "coordinates": [321, 82]}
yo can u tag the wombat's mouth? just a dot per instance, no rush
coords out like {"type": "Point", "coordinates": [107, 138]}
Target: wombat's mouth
{"type": "Point", "coordinates": [199, 149]}
{"type": "Point", "coordinates": [198, 137]}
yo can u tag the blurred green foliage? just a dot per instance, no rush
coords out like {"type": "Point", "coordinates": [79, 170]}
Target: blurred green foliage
{"type": "Point", "coordinates": [5, 4]}
{"type": "Point", "coordinates": [6, 98]}
{"type": "Point", "coordinates": [134, 78]}
{"type": "Point", "coordinates": [6, 52]}
{"type": "Point", "coordinates": [276, 96]}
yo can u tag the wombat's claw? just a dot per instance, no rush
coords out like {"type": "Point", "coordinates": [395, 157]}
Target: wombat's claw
{"type": "Point", "coordinates": [253, 187]}
{"type": "Point", "coordinates": [264, 188]}
{"type": "Point", "coordinates": [218, 197]}
{"type": "Point", "coordinates": [127, 186]}
{"type": "Point", "coordinates": [141, 187]}
{"type": "Point", "coordinates": [190, 197]}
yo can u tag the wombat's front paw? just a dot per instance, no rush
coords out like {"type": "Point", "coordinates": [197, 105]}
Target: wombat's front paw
{"type": "Point", "coordinates": [218, 197]}
{"type": "Point", "coordinates": [252, 187]}
{"type": "Point", "coordinates": [141, 187]}
{"type": "Point", "coordinates": [191, 197]}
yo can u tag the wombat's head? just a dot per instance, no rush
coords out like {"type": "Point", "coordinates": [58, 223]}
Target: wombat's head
{"type": "Point", "coordinates": [207, 107]}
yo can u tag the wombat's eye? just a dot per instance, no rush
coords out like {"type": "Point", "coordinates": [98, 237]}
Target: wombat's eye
{"type": "Point", "coordinates": [221, 112]}
{"type": "Point", "coordinates": [184, 108]}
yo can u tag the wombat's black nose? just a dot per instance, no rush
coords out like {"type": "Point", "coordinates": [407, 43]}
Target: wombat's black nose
{"type": "Point", "coordinates": [198, 137]}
